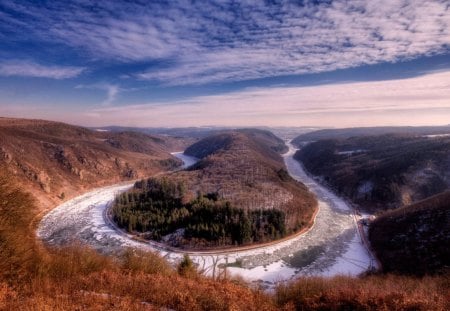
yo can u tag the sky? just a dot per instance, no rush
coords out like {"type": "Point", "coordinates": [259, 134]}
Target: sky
{"type": "Point", "coordinates": [226, 63]}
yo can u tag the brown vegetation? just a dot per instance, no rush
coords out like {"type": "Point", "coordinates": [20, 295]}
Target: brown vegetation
{"type": "Point", "coordinates": [373, 292]}
{"type": "Point", "coordinates": [56, 161]}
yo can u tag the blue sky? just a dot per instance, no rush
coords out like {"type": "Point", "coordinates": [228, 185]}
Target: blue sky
{"type": "Point", "coordinates": [237, 63]}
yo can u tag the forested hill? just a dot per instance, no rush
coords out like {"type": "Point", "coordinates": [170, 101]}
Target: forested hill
{"type": "Point", "coordinates": [265, 141]}
{"type": "Point", "coordinates": [246, 168]}
{"type": "Point", "coordinates": [241, 178]}
{"type": "Point", "coordinates": [381, 172]}
{"type": "Point", "coordinates": [414, 239]}
{"type": "Point", "coordinates": [346, 133]}
{"type": "Point", "coordinates": [55, 161]}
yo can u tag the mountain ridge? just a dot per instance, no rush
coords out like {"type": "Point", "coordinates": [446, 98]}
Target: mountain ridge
{"type": "Point", "coordinates": [55, 161]}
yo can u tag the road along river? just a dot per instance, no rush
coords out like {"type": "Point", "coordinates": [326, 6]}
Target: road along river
{"type": "Point", "coordinates": [332, 246]}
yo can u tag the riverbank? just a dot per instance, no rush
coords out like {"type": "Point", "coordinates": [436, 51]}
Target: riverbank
{"type": "Point", "coordinates": [328, 248]}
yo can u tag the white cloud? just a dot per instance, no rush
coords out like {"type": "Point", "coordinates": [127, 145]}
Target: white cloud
{"type": "Point", "coordinates": [420, 100]}
{"type": "Point", "coordinates": [415, 101]}
{"type": "Point", "coordinates": [111, 91]}
{"type": "Point", "coordinates": [31, 69]}
{"type": "Point", "coordinates": [215, 41]}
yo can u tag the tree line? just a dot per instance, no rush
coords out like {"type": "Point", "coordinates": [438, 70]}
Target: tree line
{"type": "Point", "coordinates": [157, 207]}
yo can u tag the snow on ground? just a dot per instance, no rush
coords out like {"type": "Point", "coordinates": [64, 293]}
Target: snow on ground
{"type": "Point", "coordinates": [332, 246]}
{"type": "Point", "coordinates": [437, 135]}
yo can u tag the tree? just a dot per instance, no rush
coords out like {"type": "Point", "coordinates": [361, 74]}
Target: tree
{"type": "Point", "coordinates": [186, 267]}
{"type": "Point", "coordinates": [246, 231]}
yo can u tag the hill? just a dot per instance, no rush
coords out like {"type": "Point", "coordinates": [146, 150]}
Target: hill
{"type": "Point", "coordinates": [238, 193]}
{"type": "Point", "coordinates": [192, 133]}
{"type": "Point", "coordinates": [55, 161]}
{"type": "Point", "coordinates": [381, 172]}
{"type": "Point", "coordinates": [76, 278]}
{"type": "Point", "coordinates": [414, 239]}
{"type": "Point", "coordinates": [224, 141]}
{"type": "Point", "coordinates": [369, 131]}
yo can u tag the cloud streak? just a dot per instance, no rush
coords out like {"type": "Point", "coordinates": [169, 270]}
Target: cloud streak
{"type": "Point", "coordinates": [112, 90]}
{"type": "Point", "coordinates": [215, 41]}
{"type": "Point", "coordinates": [31, 69]}
{"type": "Point", "coordinates": [420, 100]}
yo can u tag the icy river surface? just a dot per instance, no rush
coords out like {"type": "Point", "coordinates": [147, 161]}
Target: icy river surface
{"type": "Point", "coordinates": [332, 246]}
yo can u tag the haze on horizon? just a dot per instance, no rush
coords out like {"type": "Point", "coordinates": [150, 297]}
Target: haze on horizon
{"type": "Point", "coordinates": [249, 63]}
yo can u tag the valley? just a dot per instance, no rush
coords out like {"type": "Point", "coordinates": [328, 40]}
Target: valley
{"type": "Point", "coordinates": [225, 155]}
{"type": "Point", "coordinates": [238, 193]}
{"type": "Point", "coordinates": [331, 247]}
{"type": "Point", "coordinates": [315, 255]}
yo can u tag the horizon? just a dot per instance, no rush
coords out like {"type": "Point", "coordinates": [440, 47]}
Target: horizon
{"type": "Point", "coordinates": [333, 64]}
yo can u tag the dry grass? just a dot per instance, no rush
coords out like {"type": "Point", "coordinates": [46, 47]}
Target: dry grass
{"type": "Point", "coordinates": [374, 292]}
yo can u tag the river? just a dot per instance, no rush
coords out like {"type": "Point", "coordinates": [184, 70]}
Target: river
{"type": "Point", "coordinates": [332, 246]}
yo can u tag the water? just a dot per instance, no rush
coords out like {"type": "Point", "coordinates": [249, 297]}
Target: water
{"type": "Point", "coordinates": [330, 247]}
{"type": "Point", "coordinates": [188, 161]}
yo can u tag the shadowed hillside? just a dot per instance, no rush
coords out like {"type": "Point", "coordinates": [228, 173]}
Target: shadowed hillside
{"type": "Point", "coordinates": [369, 131]}
{"type": "Point", "coordinates": [414, 239]}
{"type": "Point", "coordinates": [238, 193]}
{"type": "Point", "coordinates": [55, 161]}
{"type": "Point", "coordinates": [381, 172]}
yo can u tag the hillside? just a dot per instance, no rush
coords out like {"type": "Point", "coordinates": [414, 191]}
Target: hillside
{"type": "Point", "coordinates": [55, 161]}
{"type": "Point", "coordinates": [224, 141]}
{"type": "Point", "coordinates": [76, 278]}
{"type": "Point", "coordinates": [381, 172]}
{"type": "Point", "coordinates": [189, 133]}
{"type": "Point", "coordinates": [240, 179]}
{"type": "Point", "coordinates": [414, 239]}
{"type": "Point", "coordinates": [346, 133]}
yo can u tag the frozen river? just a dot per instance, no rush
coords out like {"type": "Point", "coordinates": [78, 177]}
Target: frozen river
{"type": "Point", "coordinates": [332, 246]}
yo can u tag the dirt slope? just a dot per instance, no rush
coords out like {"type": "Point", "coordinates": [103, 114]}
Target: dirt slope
{"type": "Point", "coordinates": [55, 161]}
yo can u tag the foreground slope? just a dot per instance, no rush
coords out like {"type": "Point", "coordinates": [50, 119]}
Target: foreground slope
{"type": "Point", "coordinates": [381, 172]}
{"type": "Point", "coordinates": [55, 161]}
{"type": "Point", "coordinates": [414, 239]}
{"type": "Point", "coordinates": [238, 193]}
